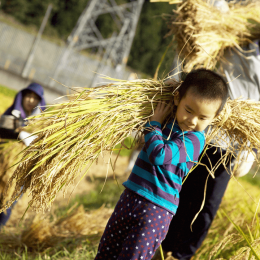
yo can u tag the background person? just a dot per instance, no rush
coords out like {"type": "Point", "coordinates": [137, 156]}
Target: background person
{"type": "Point", "coordinates": [180, 240]}
{"type": "Point", "coordinates": [28, 102]}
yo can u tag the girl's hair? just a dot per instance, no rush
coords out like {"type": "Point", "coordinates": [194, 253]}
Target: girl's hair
{"type": "Point", "coordinates": [205, 84]}
{"type": "Point", "coordinates": [28, 91]}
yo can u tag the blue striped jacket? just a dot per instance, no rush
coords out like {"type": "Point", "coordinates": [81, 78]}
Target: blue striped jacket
{"type": "Point", "coordinates": [164, 161]}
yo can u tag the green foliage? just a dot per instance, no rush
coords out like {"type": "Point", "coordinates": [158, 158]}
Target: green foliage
{"type": "Point", "coordinates": [149, 42]}
{"type": "Point", "coordinates": [17, 8]}
{"type": "Point", "coordinates": [65, 15]}
{"type": "Point", "coordinates": [27, 12]}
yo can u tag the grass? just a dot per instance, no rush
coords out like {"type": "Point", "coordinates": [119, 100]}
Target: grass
{"type": "Point", "coordinates": [7, 92]}
{"type": "Point", "coordinates": [7, 97]}
{"type": "Point", "coordinates": [84, 251]}
{"type": "Point", "coordinates": [234, 223]}
{"type": "Point", "coordinates": [95, 199]}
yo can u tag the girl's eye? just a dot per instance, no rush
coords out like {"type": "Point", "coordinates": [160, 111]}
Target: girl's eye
{"type": "Point", "coordinates": [187, 111]}
{"type": "Point", "coordinates": [203, 118]}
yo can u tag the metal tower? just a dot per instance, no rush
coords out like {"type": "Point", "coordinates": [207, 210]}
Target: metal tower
{"type": "Point", "coordinates": [114, 49]}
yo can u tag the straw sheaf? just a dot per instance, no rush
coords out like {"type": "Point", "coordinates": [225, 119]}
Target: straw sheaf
{"type": "Point", "coordinates": [239, 121]}
{"type": "Point", "coordinates": [9, 155]}
{"type": "Point", "coordinates": [203, 33]}
{"type": "Point", "coordinates": [79, 223]}
{"type": "Point", "coordinates": [45, 233]}
{"type": "Point", "coordinates": [72, 135]}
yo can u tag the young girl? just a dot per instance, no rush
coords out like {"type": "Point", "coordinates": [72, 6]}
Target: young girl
{"type": "Point", "coordinates": [144, 211]}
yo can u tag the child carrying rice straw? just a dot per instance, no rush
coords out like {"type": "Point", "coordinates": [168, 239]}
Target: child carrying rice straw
{"type": "Point", "coordinates": [144, 211]}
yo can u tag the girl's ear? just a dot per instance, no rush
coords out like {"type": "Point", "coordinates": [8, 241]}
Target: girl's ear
{"type": "Point", "coordinates": [176, 98]}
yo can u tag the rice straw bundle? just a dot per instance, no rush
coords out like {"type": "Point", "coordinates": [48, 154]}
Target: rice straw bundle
{"type": "Point", "coordinates": [45, 233]}
{"type": "Point", "coordinates": [72, 135]}
{"type": "Point", "coordinates": [79, 223]}
{"type": "Point", "coordinates": [203, 33]}
{"type": "Point", "coordinates": [9, 155]}
{"type": "Point", "coordinates": [237, 128]}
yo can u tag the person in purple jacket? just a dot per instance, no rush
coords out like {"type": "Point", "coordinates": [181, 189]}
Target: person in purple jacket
{"type": "Point", "coordinates": [28, 102]}
{"type": "Point", "coordinates": [145, 209]}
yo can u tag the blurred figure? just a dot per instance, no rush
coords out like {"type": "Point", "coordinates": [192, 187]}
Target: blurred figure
{"type": "Point", "coordinates": [28, 102]}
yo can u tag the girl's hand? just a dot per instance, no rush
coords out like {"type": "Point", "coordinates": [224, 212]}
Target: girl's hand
{"type": "Point", "coordinates": [161, 112]}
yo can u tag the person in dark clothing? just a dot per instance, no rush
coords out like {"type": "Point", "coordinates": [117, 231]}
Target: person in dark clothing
{"type": "Point", "coordinates": [180, 240]}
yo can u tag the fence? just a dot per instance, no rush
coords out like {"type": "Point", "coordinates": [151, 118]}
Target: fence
{"type": "Point", "coordinates": [15, 46]}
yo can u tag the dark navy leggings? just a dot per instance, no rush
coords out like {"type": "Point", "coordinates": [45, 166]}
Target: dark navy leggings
{"type": "Point", "coordinates": [180, 240]}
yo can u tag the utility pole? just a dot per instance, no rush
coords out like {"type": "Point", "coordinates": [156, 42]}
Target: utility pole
{"type": "Point", "coordinates": [114, 49]}
{"type": "Point", "coordinates": [29, 60]}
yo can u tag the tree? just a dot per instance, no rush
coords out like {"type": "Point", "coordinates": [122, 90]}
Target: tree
{"type": "Point", "coordinates": [150, 43]}
{"type": "Point", "coordinates": [65, 15]}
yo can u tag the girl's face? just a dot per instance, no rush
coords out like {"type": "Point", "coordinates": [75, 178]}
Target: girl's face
{"type": "Point", "coordinates": [194, 113]}
{"type": "Point", "coordinates": [30, 101]}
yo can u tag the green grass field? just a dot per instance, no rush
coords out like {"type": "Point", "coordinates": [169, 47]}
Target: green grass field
{"type": "Point", "coordinates": [235, 232]}
{"type": "Point", "coordinates": [7, 97]}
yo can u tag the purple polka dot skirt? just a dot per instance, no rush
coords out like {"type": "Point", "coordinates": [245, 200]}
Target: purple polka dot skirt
{"type": "Point", "coordinates": [135, 229]}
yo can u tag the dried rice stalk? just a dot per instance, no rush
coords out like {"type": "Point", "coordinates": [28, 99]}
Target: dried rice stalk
{"type": "Point", "coordinates": [203, 33]}
{"type": "Point", "coordinates": [9, 155]}
{"type": "Point", "coordinates": [219, 246]}
{"type": "Point", "coordinates": [79, 223]}
{"type": "Point", "coordinates": [43, 233]}
{"type": "Point", "coordinates": [74, 134]}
